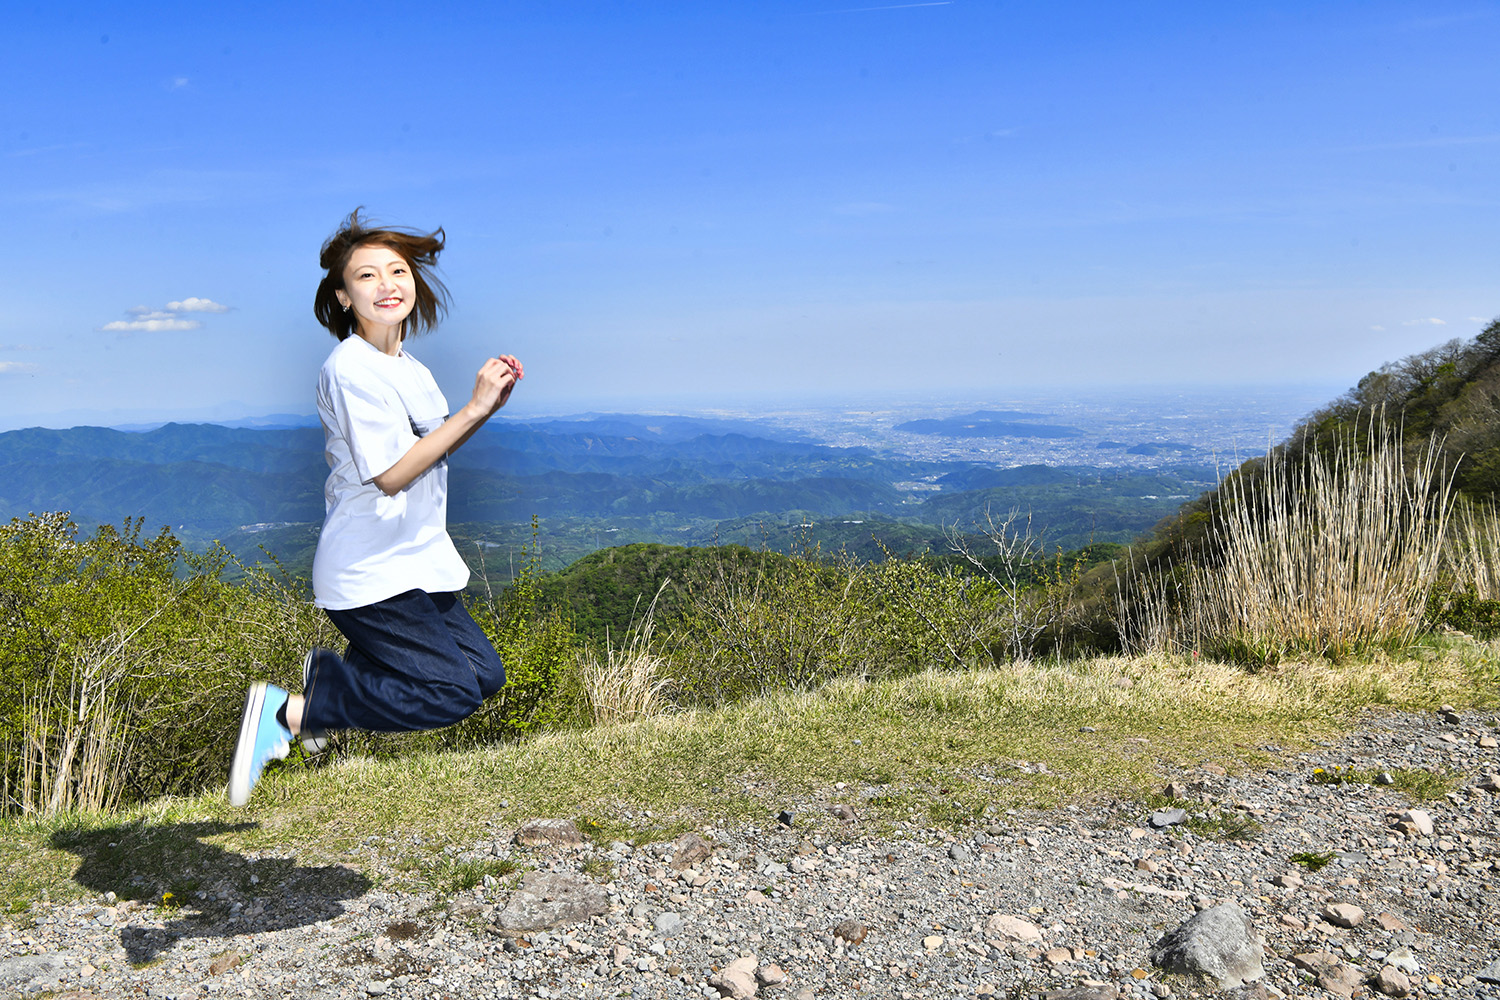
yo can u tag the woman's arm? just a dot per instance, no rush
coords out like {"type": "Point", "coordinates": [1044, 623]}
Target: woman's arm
{"type": "Point", "coordinates": [492, 387]}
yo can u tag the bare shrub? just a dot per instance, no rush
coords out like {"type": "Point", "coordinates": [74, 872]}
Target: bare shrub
{"type": "Point", "coordinates": [1030, 601]}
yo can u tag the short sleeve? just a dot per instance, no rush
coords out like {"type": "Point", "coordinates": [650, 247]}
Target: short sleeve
{"type": "Point", "coordinates": [372, 421]}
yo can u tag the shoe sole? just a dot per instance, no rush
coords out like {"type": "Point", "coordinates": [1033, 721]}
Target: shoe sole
{"type": "Point", "coordinates": [244, 750]}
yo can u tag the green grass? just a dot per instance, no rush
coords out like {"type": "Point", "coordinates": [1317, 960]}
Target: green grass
{"type": "Point", "coordinates": [1416, 784]}
{"type": "Point", "coordinates": [447, 876]}
{"type": "Point", "coordinates": [1312, 860]}
{"type": "Point", "coordinates": [940, 748]}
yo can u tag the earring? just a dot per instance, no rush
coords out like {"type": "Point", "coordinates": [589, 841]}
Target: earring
{"type": "Point", "coordinates": [346, 309]}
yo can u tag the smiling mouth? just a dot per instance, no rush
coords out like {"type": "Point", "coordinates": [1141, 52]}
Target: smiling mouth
{"type": "Point", "coordinates": [388, 303]}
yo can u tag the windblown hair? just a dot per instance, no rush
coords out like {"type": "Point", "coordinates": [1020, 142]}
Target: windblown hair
{"type": "Point", "coordinates": [420, 250]}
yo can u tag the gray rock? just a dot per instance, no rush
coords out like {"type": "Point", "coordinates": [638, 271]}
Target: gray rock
{"type": "Point", "coordinates": [1490, 973]}
{"type": "Point", "coordinates": [30, 969]}
{"type": "Point", "coordinates": [689, 849]}
{"type": "Point", "coordinates": [668, 924]}
{"type": "Point", "coordinates": [959, 853]}
{"type": "Point", "coordinates": [548, 833]}
{"type": "Point", "coordinates": [1219, 943]}
{"type": "Point", "coordinates": [1168, 817]}
{"type": "Point", "coordinates": [547, 900]}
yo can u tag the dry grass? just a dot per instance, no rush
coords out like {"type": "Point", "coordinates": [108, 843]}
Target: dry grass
{"type": "Point", "coordinates": [938, 747]}
{"type": "Point", "coordinates": [1330, 557]}
{"type": "Point", "coordinates": [627, 683]}
{"type": "Point", "coordinates": [1473, 550]}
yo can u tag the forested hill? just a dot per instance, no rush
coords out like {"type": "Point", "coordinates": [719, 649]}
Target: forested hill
{"type": "Point", "coordinates": [594, 482]}
{"type": "Point", "coordinates": [1448, 395]}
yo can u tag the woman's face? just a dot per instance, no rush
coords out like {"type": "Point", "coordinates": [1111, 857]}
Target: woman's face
{"type": "Point", "coordinates": [378, 287]}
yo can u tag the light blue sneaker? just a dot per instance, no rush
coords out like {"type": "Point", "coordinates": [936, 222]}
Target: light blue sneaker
{"type": "Point", "coordinates": [262, 739]}
{"type": "Point", "coordinates": [316, 741]}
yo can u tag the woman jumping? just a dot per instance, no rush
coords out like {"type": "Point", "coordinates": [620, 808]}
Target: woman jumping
{"type": "Point", "coordinates": [385, 571]}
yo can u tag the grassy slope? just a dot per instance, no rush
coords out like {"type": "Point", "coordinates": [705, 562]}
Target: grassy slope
{"type": "Point", "coordinates": [941, 747]}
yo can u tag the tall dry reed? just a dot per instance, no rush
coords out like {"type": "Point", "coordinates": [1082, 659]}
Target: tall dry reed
{"type": "Point", "coordinates": [1473, 550]}
{"type": "Point", "coordinates": [1331, 555]}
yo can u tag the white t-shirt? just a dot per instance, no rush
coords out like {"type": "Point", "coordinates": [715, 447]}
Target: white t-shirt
{"type": "Point", "coordinates": [373, 546]}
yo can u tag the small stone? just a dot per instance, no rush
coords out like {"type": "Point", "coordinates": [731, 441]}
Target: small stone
{"type": "Point", "coordinates": [736, 980]}
{"type": "Point", "coordinates": [1006, 928]}
{"type": "Point", "coordinates": [932, 942]}
{"type": "Point", "coordinates": [843, 812]}
{"type": "Point", "coordinates": [1343, 915]}
{"type": "Point", "coordinates": [1420, 820]}
{"type": "Point", "coordinates": [770, 975]}
{"type": "Point", "coordinates": [378, 987]}
{"type": "Point", "coordinates": [1489, 783]}
{"type": "Point", "coordinates": [1057, 956]}
{"type": "Point", "coordinates": [1385, 778]}
{"type": "Point", "coordinates": [1402, 958]}
{"type": "Point", "coordinates": [1146, 865]}
{"type": "Point", "coordinates": [668, 923]}
{"type": "Point", "coordinates": [1390, 922]}
{"type": "Point", "coordinates": [1488, 742]}
{"type": "Point", "coordinates": [959, 853]}
{"type": "Point", "coordinates": [1392, 982]}
{"type": "Point", "coordinates": [689, 849]}
{"type": "Point", "coordinates": [1163, 818]}
{"type": "Point", "coordinates": [1295, 923]}
{"type": "Point", "coordinates": [786, 817]}
{"type": "Point", "coordinates": [548, 833]}
{"type": "Point", "coordinates": [223, 963]}
{"type": "Point", "coordinates": [850, 930]}
{"type": "Point", "coordinates": [1489, 974]}
{"type": "Point", "coordinates": [1287, 881]}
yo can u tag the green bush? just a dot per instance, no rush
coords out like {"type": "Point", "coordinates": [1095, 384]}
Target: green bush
{"type": "Point", "coordinates": [124, 659]}
{"type": "Point", "coordinates": [1465, 611]}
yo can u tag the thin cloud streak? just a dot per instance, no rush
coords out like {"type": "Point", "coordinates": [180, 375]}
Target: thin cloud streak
{"type": "Point", "coordinates": [894, 6]}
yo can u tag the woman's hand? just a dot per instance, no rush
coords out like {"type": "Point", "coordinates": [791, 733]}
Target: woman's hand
{"type": "Point", "coordinates": [493, 384]}
{"type": "Point", "coordinates": [492, 387]}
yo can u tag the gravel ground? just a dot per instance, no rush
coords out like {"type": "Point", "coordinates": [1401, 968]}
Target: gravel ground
{"type": "Point", "coordinates": [1062, 904]}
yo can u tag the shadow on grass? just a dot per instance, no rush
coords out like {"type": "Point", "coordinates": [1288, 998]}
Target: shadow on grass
{"type": "Point", "coordinates": [201, 889]}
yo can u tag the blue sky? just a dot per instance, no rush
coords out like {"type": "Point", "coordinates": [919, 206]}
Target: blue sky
{"type": "Point", "coordinates": [661, 204]}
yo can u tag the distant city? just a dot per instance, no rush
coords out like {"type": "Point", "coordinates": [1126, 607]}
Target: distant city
{"type": "Point", "coordinates": [1139, 428]}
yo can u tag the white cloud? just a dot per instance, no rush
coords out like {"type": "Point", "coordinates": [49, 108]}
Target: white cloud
{"type": "Point", "coordinates": [147, 319]}
{"type": "Point", "coordinates": [1378, 329]}
{"type": "Point", "coordinates": [152, 325]}
{"type": "Point", "coordinates": [196, 305]}
{"type": "Point", "coordinates": [1433, 321]}
{"type": "Point", "coordinates": [1477, 319]}
{"type": "Point", "coordinates": [16, 367]}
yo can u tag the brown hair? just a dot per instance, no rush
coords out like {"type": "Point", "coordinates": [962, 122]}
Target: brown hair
{"type": "Point", "coordinates": [418, 249]}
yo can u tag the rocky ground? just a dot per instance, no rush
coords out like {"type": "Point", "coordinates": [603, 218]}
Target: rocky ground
{"type": "Point", "coordinates": [1349, 887]}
